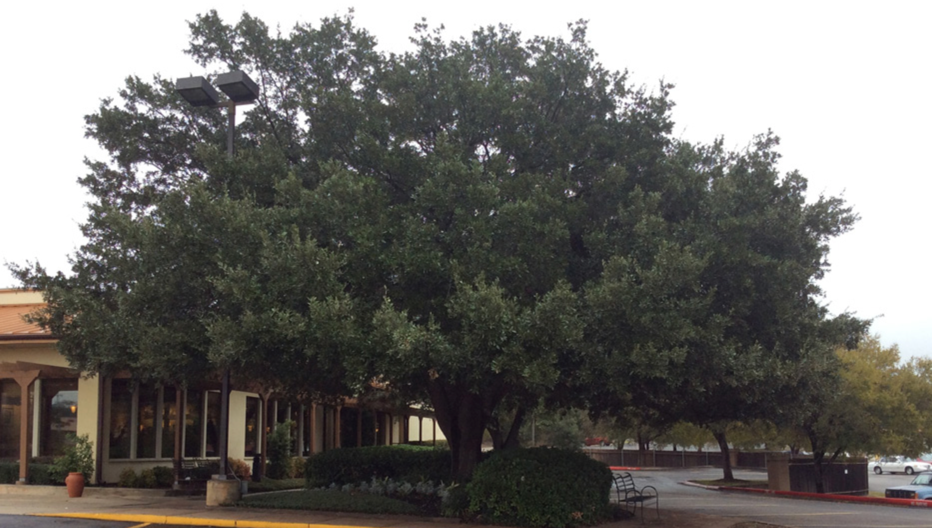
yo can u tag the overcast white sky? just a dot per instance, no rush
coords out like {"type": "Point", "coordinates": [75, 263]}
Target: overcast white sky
{"type": "Point", "coordinates": [846, 85]}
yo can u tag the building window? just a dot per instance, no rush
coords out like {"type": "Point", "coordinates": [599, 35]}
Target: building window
{"type": "Point", "coordinates": [121, 413]}
{"type": "Point", "coordinates": [143, 421]}
{"type": "Point", "coordinates": [146, 412]}
{"type": "Point", "coordinates": [212, 445]}
{"type": "Point", "coordinates": [10, 407]}
{"type": "Point", "coordinates": [169, 415]}
{"type": "Point", "coordinates": [193, 424]}
{"type": "Point", "coordinates": [252, 426]}
{"type": "Point", "coordinates": [58, 415]}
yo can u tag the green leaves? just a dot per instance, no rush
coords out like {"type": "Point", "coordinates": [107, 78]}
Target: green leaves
{"type": "Point", "coordinates": [484, 223]}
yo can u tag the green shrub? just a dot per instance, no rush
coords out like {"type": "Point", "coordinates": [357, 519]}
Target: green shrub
{"type": "Point", "coordinates": [327, 500]}
{"type": "Point", "coordinates": [279, 459]}
{"type": "Point", "coordinates": [360, 464]}
{"type": "Point", "coordinates": [147, 479]}
{"type": "Point", "coordinates": [268, 484]}
{"type": "Point", "coordinates": [9, 472]}
{"type": "Point", "coordinates": [296, 469]}
{"type": "Point", "coordinates": [164, 476]}
{"type": "Point", "coordinates": [540, 487]}
{"type": "Point", "coordinates": [128, 479]}
{"type": "Point", "coordinates": [78, 457]}
{"type": "Point", "coordinates": [456, 503]}
{"type": "Point", "coordinates": [157, 477]}
{"type": "Point", "coordinates": [42, 475]}
{"type": "Point", "coordinates": [39, 474]}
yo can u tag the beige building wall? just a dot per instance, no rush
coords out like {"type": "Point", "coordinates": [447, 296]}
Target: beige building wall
{"type": "Point", "coordinates": [10, 296]}
{"type": "Point", "coordinates": [43, 353]}
{"type": "Point", "coordinates": [88, 415]}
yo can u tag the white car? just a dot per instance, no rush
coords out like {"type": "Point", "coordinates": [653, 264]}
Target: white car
{"type": "Point", "coordinates": [899, 464]}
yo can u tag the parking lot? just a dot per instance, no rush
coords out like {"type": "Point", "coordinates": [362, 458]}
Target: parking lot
{"type": "Point", "coordinates": [778, 510]}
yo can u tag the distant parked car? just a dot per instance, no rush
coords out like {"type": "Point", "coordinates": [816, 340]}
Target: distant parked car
{"type": "Point", "coordinates": [598, 440]}
{"type": "Point", "coordinates": [920, 488]}
{"type": "Point", "coordinates": [900, 464]}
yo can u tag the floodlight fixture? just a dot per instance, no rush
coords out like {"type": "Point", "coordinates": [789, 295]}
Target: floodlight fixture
{"type": "Point", "coordinates": [238, 86]}
{"type": "Point", "coordinates": [197, 91]}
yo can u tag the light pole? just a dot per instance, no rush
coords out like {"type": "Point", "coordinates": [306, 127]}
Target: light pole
{"type": "Point", "coordinates": [197, 91]}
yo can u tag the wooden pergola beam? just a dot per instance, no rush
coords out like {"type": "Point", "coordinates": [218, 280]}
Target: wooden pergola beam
{"type": "Point", "coordinates": [24, 378]}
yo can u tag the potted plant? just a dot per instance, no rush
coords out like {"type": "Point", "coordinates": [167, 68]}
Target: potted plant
{"type": "Point", "coordinates": [76, 464]}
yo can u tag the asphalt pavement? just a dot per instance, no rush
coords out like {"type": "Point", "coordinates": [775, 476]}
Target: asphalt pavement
{"type": "Point", "coordinates": [680, 506]}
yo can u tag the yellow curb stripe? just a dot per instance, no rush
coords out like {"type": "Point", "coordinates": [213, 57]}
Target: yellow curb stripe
{"type": "Point", "coordinates": [187, 521]}
{"type": "Point", "coordinates": [123, 517]}
{"type": "Point", "coordinates": [143, 525]}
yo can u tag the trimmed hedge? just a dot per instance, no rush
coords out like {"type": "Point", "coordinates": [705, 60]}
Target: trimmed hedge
{"type": "Point", "coordinates": [38, 474]}
{"type": "Point", "coordinates": [326, 500]}
{"type": "Point", "coordinates": [359, 464]}
{"type": "Point", "coordinates": [541, 486]}
{"type": "Point", "coordinates": [156, 477]}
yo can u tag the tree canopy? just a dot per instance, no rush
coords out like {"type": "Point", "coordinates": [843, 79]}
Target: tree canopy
{"type": "Point", "coordinates": [480, 224]}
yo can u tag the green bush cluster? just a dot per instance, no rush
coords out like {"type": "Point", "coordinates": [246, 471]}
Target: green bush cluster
{"type": "Point", "coordinates": [268, 484]}
{"type": "Point", "coordinates": [157, 477]}
{"type": "Point", "coordinates": [540, 487]}
{"type": "Point", "coordinates": [39, 474]}
{"type": "Point", "coordinates": [361, 464]}
{"type": "Point", "coordinates": [78, 457]}
{"type": "Point", "coordinates": [327, 500]}
{"type": "Point", "coordinates": [280, 464]}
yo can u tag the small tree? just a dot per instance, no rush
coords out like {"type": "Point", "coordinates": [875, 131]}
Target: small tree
{"type": "Point", "coordinates": [77, 458]}
{"type": "Point", "coordinates": [280, 451]}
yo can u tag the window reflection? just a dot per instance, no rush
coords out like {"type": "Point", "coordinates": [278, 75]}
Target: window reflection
{"type": "Point", "coordinates": [58, 415]}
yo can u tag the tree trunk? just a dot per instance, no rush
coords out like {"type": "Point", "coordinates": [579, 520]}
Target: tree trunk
{"type": "Point", "coordinates": [726, 455]}
{"type": "Point", "coordinates": [498, 433]}
{"type": "Point", "coordinates": [461, 416]}
{"type": "Point", "coordinates": [643, 444]}
{"type": "Point", "coordinates": [818, 456]}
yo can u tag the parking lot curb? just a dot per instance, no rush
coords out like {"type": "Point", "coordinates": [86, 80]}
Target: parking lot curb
{"type": "Point", "coordinates": [187, 521]}
{"type": "Point", "coordinates": [913, 503]}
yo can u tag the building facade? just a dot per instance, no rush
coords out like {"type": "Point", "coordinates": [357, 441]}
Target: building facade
{"type": "Point", "coordinates": [141, 426]}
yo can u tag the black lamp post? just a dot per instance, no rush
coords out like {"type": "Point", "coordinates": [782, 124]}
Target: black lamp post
{"type": "Point", "coordinates": [240, 89]}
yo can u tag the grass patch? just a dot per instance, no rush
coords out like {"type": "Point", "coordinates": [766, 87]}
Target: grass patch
{"type": "Point", "coordinates": [328, 500]}
{"type": "Point", "coordinates": [268, 484]}
{"type": "Point", "coordinates": [737, 483]}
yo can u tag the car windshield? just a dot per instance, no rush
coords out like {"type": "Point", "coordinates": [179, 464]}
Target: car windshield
{"type": "Point", "coordinates": [922, 480]}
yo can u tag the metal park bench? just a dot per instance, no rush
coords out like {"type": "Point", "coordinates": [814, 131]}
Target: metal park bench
{"type": "Point", "coordinates": [195, 472]}
{"type": "Point", "coordinates": [629, 495]}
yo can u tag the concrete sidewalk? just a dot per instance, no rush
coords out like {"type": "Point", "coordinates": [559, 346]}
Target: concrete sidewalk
{"type": "Point", "coordinates": [152, 506]}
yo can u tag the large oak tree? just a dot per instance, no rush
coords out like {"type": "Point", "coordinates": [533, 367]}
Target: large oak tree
{"type": "Point", "coordinates": [478, 224]}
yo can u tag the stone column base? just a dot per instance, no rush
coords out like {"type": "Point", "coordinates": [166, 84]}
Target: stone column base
{"type": "Point", "coordinates": [223, 492]}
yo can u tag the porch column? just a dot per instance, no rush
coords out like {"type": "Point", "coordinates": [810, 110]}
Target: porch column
{"type": "Point", "coordinates": [24, 379]}
{"type": "Point", "coordinates": [264, 431]}
{"type": "Point", "coordinates": [391, 429]}
{"type": "Point", "coordinates": [299, 436]}
{"type": "Point", "coordinates": [178, 452]}
{"type": "Point", "coordinates": [312, 417]}
{"type": "Point", "coordinates": [99, 446]}
{"type": "Point", "coordinates": [420, 429]}
{"type": "Point", "coordinates": [337, 441]}
{"type": "Point", "coordinates": [358, 426]}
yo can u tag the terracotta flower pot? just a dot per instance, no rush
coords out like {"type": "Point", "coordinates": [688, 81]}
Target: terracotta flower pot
{"type": "Point", "coordinates": [75, 484]}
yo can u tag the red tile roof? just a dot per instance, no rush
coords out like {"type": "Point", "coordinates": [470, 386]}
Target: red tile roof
{"type": "Point", "coordinates": [12, 325]}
